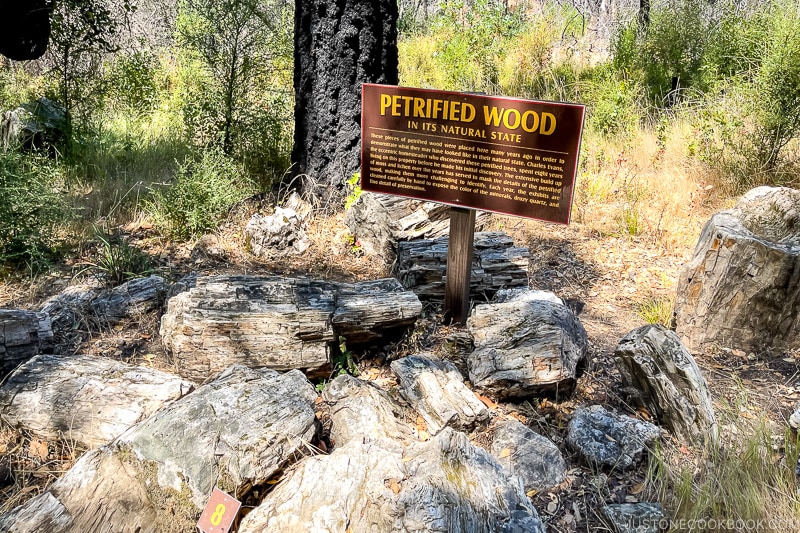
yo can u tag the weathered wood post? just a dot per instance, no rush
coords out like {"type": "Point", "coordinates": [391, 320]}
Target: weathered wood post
{"type": "Point", "coordinates": [459, 265]}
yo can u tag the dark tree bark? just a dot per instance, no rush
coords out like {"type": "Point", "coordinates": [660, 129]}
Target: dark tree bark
{"type": "Point", "coordinates": [338, 46]}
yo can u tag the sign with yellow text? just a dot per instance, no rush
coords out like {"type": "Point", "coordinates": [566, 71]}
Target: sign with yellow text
{"type": "Point", "coordinates": [507, 155]}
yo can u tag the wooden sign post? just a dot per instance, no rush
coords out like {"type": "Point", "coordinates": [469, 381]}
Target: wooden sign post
{"type": "Point", "coordinates": [506, 155]}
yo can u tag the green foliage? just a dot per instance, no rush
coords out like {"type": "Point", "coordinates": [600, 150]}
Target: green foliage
{"type": "Point", "coordinates": [116, 260]}
{"type": "Point", "coordinates": [132, 85]}
{"type": "Point", "coordinates": [657, 310]}
{"type": "Point", "coordinates": [204, 191]}
{"type": "Point", "coordinates": [355, 190]}
{"type": "Point", "coordinates": [32, 210]}
{"type": "Point", "coordinates": [236, 56]}
{"type": "Point", "coordinates": [613, 101]}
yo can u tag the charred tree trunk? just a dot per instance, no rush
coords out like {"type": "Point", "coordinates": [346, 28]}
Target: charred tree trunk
{"type": "Point", "coordinates": [338, 46]}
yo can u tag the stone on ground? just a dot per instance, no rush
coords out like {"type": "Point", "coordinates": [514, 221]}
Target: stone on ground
{"type": "Point", "coordinates": [639, 517]}
{"type": "Point", "coordinates": [530, 456]}
{"type": "Point", "coordinates": [23, 334]}
{"type": "Point", "coordinates": [605, 438]}
{"type": "Point", "coordinates": [436, 390]}
{"type": "Point", "coordinates": [661, 375]}
{"type": "Point", "coordinates": [525, 347]}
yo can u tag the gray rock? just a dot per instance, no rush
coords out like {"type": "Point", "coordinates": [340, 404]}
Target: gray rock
{"type": "Point", "coordinates": [70, 309]}
{"type": "Point", "coordinates": [32, 125]}
{"type": "Point", "coordinates": [132, 298]}
{"type": "Point", "coordinates": [530, 456]}
{"type": "Point", "coordinates": [378, 478]}
{"type": "Point", "coordinates": [236, 431]}
{"type": "Point", "coordinates": [635, 517]}
{"type": "Point", "coordinates": [279, 234]}
{"type": "Point", "coordinates": [605, 438]}
{"type": "Point", "coordinates": [663, 376]}
{"type": "Point", "coordinates": [525, 347]}
{"type": "Point", "coordinates": [436, 390]}
{"type": "Point", "coordinates": [23, 334]}
{"type": "Point", "coordinates": [523, 294]}
{"type": "Point", "coordinates": [740, 290]}
{"type": "Point", "coordinates": [794, 418]}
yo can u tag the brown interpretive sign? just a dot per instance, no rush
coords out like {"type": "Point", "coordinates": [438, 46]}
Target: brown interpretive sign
{"type": "Point", "coordinates": [506, 155]}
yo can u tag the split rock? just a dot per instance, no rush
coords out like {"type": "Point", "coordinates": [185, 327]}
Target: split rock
{"type": "Point", "coordinates": [530, 456]}
{"type": "Point", "coordinates": [609, 439]}
{"type": "Point", "coordinates": [663, 376]}
{"type": "Point", "coordinates": [436, 390]}
{"type": "Point", "coordinates": [525, 347]}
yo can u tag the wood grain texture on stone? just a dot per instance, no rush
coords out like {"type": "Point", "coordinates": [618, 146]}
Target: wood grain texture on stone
{"type": "Point", "coordinates": [70, 309]}
{"type": "Point", "coordinates": [101, 493]}
{"type": "Point", "coordinates": [132, 298]}
{"type": "Point", "coordinates": [436, 390]}
{"type": "Point", "coordinates": [741, 289]}
{"type": "Point", "coordinates": [497, 264]}
{"type": "Point", "coordinates": [23, 334]}
{"type": "Point", "coordinates": [236, 432]}
{"type": "Point", "coordinates": [378, 478]}
{"type": "Point", "coordinates": [660, 374]}
{"type": "Point", "coordinates": [524, 347]}
{"type": "Point", "coordinates": [381, 221]}
{"type": "Point", "coordinates": [279, 323]}
{"type": "Point", "coordinates": [243, 427]}
{"type": "Point", "coordinates": [86, 399]}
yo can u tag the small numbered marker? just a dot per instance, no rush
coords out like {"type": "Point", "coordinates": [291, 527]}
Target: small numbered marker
{"type": "Point", "coordinates": [219, 514]}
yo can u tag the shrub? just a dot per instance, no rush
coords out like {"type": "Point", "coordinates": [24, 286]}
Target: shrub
{"type": "Point", "coordinates": [31, 210]}
{"type": "Point", "coordinates": [204, 190]}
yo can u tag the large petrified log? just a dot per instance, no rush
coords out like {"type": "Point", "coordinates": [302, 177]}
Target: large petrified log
{"type": "Point", "coordinates": [385, 481]}
{"type": "Point", "coordinates": [279, 323]}
{"type": "Point", "coordinates": [86, 399]}
{"type": "Point", "coordinates": [660, 374]}
{"type": "Point", "coordinates": [525, 346]}
{"type": "Point", "coordinates": [235, 432]}
{"type": "Point", "coordinates": [23, 334]}
{"type": "Point", "coordinates": [380, 221]}
{"type": "Point", "coordinates": [742, 287]}
{"type": "Point", "coordinates": [497, 264]}
{"type": "Point", "coordinates": [130, 299]}
{"type": "Point", "coordinates": [436, 390]}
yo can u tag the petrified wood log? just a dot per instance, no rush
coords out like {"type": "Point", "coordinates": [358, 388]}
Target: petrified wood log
{"type": "Point", "coordinates": [525, 346]}
{"type": "Point", "coordinates": [742, 287]}
{"type": "Point", "coordinates": [132, 298]}
{"type": "Point", "coordinates": [90, 400]}
{"type": "Point", "coordinates": [235, 432]}
{"type": "Point", "coordinates": [380, 221]}
{"type": "Point", "coordinates": [385, 481]}
{"type": "Point", "coordinates": [497, 264]}
{"type": "Point", "coordinates": [23, 334]}
{"type": "Point", "coordinates": [436, 390]}
{"type": "Point", "coordinates": [660, 374]}
{"type": "Point", "coordinates": [279, 323]}
{"type": "Point", "coordinates": [530, 456]}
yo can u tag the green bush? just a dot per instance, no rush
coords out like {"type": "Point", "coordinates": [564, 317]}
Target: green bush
{"type": "Point", "coordinates": [614, 103]}
{"type": "Point", "coordinates": [31, 210]}
{"type": "Point", "coordinates": [204, 191]}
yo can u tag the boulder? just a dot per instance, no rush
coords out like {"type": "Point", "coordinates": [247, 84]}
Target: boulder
{"type": "Point", "coordinates": [605, 438]}
{"type": "Point", "coordinates": [385, 481]}
{"type": "Point", "coordinates": [530, 456]}
{"type": "Point", "coordinates": [741, 289]}
{"type": "Point", "coordinates": [279, 323]}
{"type": "Point", "coordinates": [436, 390]}
{"type": "Point", "coordinates": [525, 346]}
{"type": "Point", "coordinates": [86, 399]}
{"type": "Point", "coordinates": [381, 221]}
{"type": "Point", "coordinates": [639, 517]}
{"type": "Point", "coordinates": [234, 432]}
{"type": "Point", "coordinates": [23, 334]}
{"type": "Point", "coordinates": [497, 264]}
{"type": "Point", "coordinates": [660, 374]}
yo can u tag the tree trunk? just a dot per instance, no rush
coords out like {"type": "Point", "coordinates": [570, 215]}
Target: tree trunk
{"type": "Point", "coordinates": [338, 46]}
